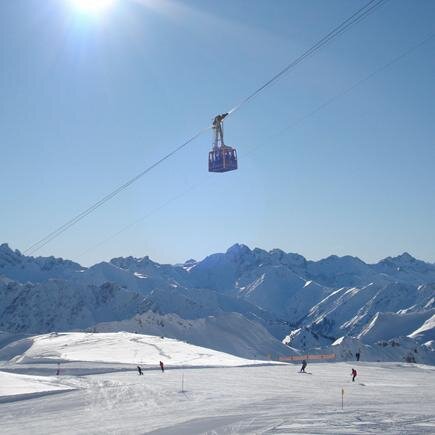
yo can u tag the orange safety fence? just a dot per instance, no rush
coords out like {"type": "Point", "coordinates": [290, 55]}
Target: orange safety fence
{"type": "Point", "coordinates": [307, 357]}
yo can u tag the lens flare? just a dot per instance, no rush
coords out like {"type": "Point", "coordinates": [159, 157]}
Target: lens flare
{"type": "Point", "coordinates": [92, 6]}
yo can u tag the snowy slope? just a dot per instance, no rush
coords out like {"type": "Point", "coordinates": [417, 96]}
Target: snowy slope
{"type": "Point", "coordinates": [228, 332]}
{"type": "Point", "coordinates": [385, 326]}
{"type": "Point", "coordinates": [8, 337]}
{"type": "Point", "coordinates": [348, 311]}
{"type": "Point", "coordinates": [402, 349]}
{"type": "Point", "coordinates": [14, 386]}
{"type": "Point", "coordinates": [364, 312]}
{"type": "Point", "coordinates": [200, 303]}
{"type": "Point", "coordinates": [305, 338]}
{"type": "Point", "coordinates": [426, 332]}
{"type": "Point", "coordinates": [120, 347]}
{"type": "Point", "coordinates": [386, 398]}
{"type": "Point", "coordinates": [279, 290]}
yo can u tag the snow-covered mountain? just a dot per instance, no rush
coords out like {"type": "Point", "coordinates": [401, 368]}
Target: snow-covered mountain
{"type": "Point", "coordinates": [163, 275]}
{"type": "Point", "coordinates": [104, 272]}
{"type": "Point", "coordinates": [398, 349]}
{"type": "Point", "coordinates": [193, 304]}
{"type": "Point", "coordinates": [406, 268]}
{"type": "Point", "coordinates": [21, 268]}
{"type": "Point", "coordinates": [281, 294]}
{"type": "Point", "coordinates": [348, 310]}
{"type": "Point", "coordinates": [426, 333]}
{"type": "Point", "coordinates": [372, 313]}
{"type": "Point", "coordinates": [385, 326]}
{"type": "Point", "coordinates": [58, 305]}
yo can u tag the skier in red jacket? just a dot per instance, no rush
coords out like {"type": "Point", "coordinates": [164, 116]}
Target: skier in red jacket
{"type": "Point", "coordinates": [354, 374]}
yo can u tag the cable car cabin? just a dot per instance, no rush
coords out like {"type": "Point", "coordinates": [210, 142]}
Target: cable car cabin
{"type": "Point", "coordinates": [222, 159]}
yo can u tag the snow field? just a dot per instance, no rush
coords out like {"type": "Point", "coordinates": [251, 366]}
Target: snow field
{"type": "Point", "coordinates": [120, 347]}
{"type": "Point", "coordinates": [387, 397]}
{"type": "Point", "coordinates": [14, 386]}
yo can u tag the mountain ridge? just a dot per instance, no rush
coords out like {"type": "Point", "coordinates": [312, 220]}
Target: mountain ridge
{"type": "Point", "coordinates": [306, 303]}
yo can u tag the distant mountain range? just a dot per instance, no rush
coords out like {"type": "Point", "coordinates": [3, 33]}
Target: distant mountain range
{"type": "Point", "coordinates": [249, 302]}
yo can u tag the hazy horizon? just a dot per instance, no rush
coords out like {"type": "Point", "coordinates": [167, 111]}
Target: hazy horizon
{"type": "Point", "coordinates": [222, 251]}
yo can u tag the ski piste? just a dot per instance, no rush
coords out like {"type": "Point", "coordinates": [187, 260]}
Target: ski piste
{"type": "Point", "coordinates": [102, 370]}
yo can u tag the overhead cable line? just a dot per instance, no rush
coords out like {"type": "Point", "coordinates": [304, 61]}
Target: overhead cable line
{"type": "Point", "coordinates": [359, 82]}
{"type": "Point", "coordinates": [359, 15]}
{"type": "Point", "coordinates": [253, 149]}
{"type": "Point", "coordinates": [141, 219]}
{"type": "Point", "coordinates": [47, 239]}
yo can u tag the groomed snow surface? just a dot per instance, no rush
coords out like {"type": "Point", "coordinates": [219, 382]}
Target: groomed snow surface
{"type": "Point", "coordinates": [120, 347]}
{"type": "Point", "coordinates": [202, 391]}
{"type": "Point", "coordinates": [14, 386]}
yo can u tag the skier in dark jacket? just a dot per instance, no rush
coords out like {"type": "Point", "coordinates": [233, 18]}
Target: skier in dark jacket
{"type": "Point", "coordinates": [354, 374]}
{"type": "Point", "coordinates": [358, 355]}
{"type": "Point", "coordinates": [162, 366]}
{"type": "Point", "coordinates": [139, 370]}
{"type": "Point", "coordinates": [304, 365]}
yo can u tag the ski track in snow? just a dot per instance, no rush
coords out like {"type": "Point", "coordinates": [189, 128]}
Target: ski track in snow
{"type": "Point", "coordinates": [395, 398]}
{"type": "Point", "coordinates": [157, 348]}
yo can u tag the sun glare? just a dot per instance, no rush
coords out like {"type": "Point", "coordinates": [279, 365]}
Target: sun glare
{"type": "Point", "coordinates": [92, 6]}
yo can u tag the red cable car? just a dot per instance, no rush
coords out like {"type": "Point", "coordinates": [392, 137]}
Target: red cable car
{"type": "Point", "coordinates": [221, 158]}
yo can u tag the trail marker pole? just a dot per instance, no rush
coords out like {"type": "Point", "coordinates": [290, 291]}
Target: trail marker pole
{"type": "Point", "coordinates": [182, 383]}
{"type": "Point", "coordinates": [342, 398]}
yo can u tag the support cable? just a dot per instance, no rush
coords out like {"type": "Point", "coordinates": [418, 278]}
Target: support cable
{"type": "Point", "coordinates": [356, 17]}
{"type": "Point", "coordinates": [253, 149]}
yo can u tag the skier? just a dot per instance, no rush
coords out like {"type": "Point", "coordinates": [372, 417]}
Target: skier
{"type": "Point", "coordinates": [162, 366]}
{"type": "Point", "coordinates": [354, 374]}
{"type": "Point", "coordinates": [358, 354]}
{"type": "Point", "coordinates": [304, 365]}
{"type": "Point", "coordinates": [139, 371]}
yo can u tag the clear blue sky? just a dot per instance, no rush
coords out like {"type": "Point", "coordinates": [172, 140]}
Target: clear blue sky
{"type": "Point", "coordinates": [88, 101]}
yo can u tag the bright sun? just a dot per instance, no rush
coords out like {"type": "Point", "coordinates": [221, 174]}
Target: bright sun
{"type": "Point", "coordinates": [92, 6]}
